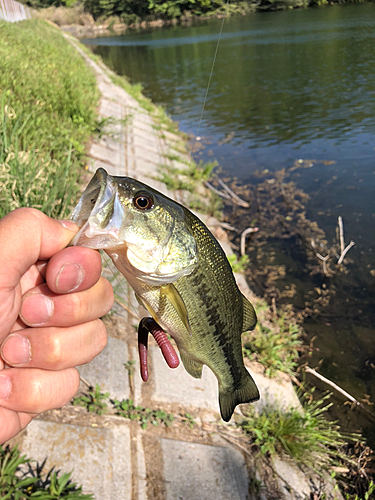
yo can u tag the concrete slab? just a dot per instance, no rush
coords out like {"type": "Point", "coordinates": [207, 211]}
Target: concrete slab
{"type": "Point", "coordinates": [113, 142]}
{"type": "Point", "coordinates": [292, 482]}
{"type": "Point", "coordinates": [141, 469]}
{"type": "Point", "coordinates": [275, 392]}
{"type": "Point", "coordinates": [105, 155]}
{"type": "Point", "coordinates": [177, 386]}
{"type": "Point", "coordinates": [142, 164]}
{"type": "Point", "coordinates": [143, 118]}
{"type": "Point", "coordinates": [144, 129]}
{"type": "Point", "coordinates": [143, 141]}
{"type": "Point", "coordinates": [193, 471]}
{"type": "Point", "coordinates": [93, 164]}
{"type": "Point", "coordinates": [149, 155]}
{"type": "Point", "coordinates": [108, 108]}
{"type": "Point", "coordinates": [108, 369]}
{"type": "Point", "coordinates": [105, 88]}
{"type": "Point", "coordinates": [100, 458]}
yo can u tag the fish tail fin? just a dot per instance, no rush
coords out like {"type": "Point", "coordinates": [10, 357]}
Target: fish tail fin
{"type": "Point", "coordinates": [228, 400]}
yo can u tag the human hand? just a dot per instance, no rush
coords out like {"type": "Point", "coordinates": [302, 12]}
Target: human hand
{"type": "Point", "coordinates": [51, 299]}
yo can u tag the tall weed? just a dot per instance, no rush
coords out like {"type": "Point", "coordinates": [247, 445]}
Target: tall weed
{"type": "Point", "coordinates": [48, 102]}
{"type": "Point", "coordinates": [303, 434]}
{"type": "Point", "coordinates": [29, 177]}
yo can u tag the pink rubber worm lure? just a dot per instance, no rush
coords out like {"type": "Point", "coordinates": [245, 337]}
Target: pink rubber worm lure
{"type": "Point", "coordinates": [146, 326]}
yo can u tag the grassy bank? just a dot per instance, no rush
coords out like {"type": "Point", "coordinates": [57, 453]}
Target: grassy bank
{"type": "Point", "coordinates": [48, 99]}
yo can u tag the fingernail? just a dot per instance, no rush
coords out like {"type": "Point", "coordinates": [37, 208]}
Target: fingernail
{"type": "Point", "coordinates": [16, 350]}
{"type": "Point", "coordinates": [5, 386]}
{"type": "Point", "coordinates": [69, 278]}
{"type": "Point", "coordinates": [68, 224]}
{"type": "Point", "coordinates": [36, 309]}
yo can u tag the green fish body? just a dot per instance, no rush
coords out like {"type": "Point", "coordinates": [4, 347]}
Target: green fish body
{"type": "Point", "coordinates": [179, 273]}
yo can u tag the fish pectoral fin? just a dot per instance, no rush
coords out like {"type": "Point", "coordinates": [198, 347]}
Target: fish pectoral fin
{"type": "Point", "coordinates": [147, 306]}
{"type": "Point", "coordinates": [193, 367]}
{"type": "Point", "coordinates": [175, 299]}
{"type": "Point", "coordinates": [249, 316]}
{"type": "Point", "coordinates": [228, 400]}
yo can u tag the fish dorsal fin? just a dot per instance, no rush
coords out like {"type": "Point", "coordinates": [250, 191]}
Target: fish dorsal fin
{"type": "Point", "coordinates": [249, 315]}
{"type": "Point", "coordinates": [193, 367]}
{"type": "Point", "coordinates": [175, 299]}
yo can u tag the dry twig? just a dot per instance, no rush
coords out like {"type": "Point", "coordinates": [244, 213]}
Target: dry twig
{"type": "Point", "coordinates": [127, 309]}
{"type": "Point", "coordinates": [85, 382]}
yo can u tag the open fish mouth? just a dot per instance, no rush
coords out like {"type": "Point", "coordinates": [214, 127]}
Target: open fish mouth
{"type": "Point", "coordinates": [99, 213]}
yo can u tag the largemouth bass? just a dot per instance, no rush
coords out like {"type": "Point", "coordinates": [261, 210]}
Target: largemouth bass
{"type": "Point", "coordinates": [178, 272]}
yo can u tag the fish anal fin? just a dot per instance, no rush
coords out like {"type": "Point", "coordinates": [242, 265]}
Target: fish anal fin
{"type": "Point", "coordinates": [175, 299]}
{"type": "Point", "coordinates": [193, 367]}
{"type": "Point", "coordinates": [249, 316]}
{"type": "Point", "coordinates": [228, 400]}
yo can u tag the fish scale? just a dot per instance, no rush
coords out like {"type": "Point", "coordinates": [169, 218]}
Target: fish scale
{"type": "Point", "coordinates": [179, 272]}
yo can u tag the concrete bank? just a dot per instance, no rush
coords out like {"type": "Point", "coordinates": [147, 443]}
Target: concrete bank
{"type": "Point", "coordinates": [114, 458]}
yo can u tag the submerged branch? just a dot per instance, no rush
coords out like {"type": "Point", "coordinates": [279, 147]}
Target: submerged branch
{"type": "Point", "coordinates": [341, 230]}
{"type": "Point", "coordinates": [339, 389]}
{"type": "Point", "coordinates": [233, 195]}
{"type": "Point", "coordinates": [320, 257]}
{"type": "Point", "coordinates": [216, 191]}
{"type": "Point", "coordinates": [228, 194]}
{"type": "Point", "coordinates": [244, 233]}
{"type": "Point", "coordinates": [345, 251]}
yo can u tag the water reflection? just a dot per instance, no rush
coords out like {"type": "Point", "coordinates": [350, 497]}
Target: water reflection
{"type": "Point", "coordinates": [291, 77]}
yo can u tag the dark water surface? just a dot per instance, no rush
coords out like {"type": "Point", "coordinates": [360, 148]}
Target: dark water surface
{"type": "Point", "coordinates": [288, 85]}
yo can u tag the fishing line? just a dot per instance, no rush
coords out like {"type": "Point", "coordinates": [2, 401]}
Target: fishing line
{"type": "Point", "coordinates": [108, 263]}
{"type": "Point", "coordinates": [104, 256]}
{"type": "Point", "coordinates": [209, 79]}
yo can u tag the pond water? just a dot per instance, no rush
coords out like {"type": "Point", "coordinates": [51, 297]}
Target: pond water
{"type": "Point", "coordinates": [286, 86]}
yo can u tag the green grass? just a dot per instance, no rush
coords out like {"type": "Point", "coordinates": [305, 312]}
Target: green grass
{"type": "Point", "coordinates": [238, 264]}
{"type": "Point", "coordinates": [275, 343]}
{"type": "Point", "coordinates": [93, 400]}
{"type": "Point", "coordinates": [145, 416]}
{"type": "Point", "coordinates": [48, 102]}
{"type": "Point", "coordinates": [189, 419]}
{"type": "Point", "coordinates": [186, 179]}
{"type": "Point", "coordinates": [23, 479]}
{"type": "Point", "coordinates": [190, 180]}
{"type": "Point", "coordinates": [303, 434]}
{"type": "Point", "coordinates": [367, 496]}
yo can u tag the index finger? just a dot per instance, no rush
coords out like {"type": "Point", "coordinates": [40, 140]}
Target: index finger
{"type": "Point", "coordinates": [26, 236]}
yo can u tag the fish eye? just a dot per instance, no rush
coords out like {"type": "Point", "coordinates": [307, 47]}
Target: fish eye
{"type": "Point", "coordinates": [143, 201]}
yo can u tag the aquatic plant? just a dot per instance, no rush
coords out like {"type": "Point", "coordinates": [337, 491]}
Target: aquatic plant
{"type": "Point", "coordinates": [278, 209]}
